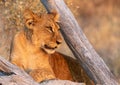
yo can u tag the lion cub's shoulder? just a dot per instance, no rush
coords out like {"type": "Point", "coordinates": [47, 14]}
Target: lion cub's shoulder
{"type": "Point", "coordinates": [70, 67]}
{"type": "Point", "coordinates": [60, 66]}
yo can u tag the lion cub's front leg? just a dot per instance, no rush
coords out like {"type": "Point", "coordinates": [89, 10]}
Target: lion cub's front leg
{"type": "Point", "coordinates": [42, 74]}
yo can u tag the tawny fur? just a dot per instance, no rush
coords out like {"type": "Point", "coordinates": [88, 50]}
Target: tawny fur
{"type": "Point", "coordinates": [33, 45]}
{"type": "Point", "coordinates": [62, 64]}
{"type": "Point", "coordinates": [34, 50]}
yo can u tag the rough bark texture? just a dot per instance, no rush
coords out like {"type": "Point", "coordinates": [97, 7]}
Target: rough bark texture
{"type": "Point", "coordinates": [80, 46]}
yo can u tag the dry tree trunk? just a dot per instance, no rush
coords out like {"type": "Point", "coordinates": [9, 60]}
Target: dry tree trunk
{"type": "Point", "coordinates": [79, 44]}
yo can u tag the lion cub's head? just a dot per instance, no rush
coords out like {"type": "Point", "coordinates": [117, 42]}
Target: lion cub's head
{"type": "Point", "coordinates": [43, 30]}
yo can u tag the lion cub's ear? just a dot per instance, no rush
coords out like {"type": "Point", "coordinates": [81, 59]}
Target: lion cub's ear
{"type": "Point", "coordinates": [29, 18]}
{"type": "Point", "coordinates": [56, 15]}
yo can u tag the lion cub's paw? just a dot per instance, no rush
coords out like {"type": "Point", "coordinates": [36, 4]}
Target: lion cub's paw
{"type": "Point", "coordinates": [42, 74]}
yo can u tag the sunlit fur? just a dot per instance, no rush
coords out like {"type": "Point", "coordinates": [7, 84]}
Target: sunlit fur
{"type": "Point", "coordinates": [33, 46]}
{"type": "Point", "coordinates": [34, 50]}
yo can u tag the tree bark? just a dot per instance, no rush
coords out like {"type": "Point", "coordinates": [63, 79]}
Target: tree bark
{"type": "Point", "coordinates": [79, 44]}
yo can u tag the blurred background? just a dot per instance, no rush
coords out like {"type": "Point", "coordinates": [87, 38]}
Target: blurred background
{"type": "Point", "coordinates": [99, 20]}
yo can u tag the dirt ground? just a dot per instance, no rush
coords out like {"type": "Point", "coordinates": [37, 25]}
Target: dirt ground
{"type": "Point", "coordinates": [99, 19]}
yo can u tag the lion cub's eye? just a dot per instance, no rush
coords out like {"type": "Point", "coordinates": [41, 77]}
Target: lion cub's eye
{"type": "Point", "coordinates": [50, 29]}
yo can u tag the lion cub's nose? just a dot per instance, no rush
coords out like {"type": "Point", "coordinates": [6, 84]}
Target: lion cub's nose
{"type": "Point", "coordinates": [58, 42]}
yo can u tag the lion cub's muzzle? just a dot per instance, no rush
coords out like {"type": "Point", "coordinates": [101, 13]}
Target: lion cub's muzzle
{"type": "Point", "coordinates": [51, 47]}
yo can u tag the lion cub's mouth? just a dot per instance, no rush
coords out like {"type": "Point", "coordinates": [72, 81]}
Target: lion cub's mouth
{"type": "Point", "coordinates": [49, 49]}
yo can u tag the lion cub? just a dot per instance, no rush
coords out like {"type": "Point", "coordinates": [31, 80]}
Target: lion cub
{"type": "Point", "coordinates": [33, 46]}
